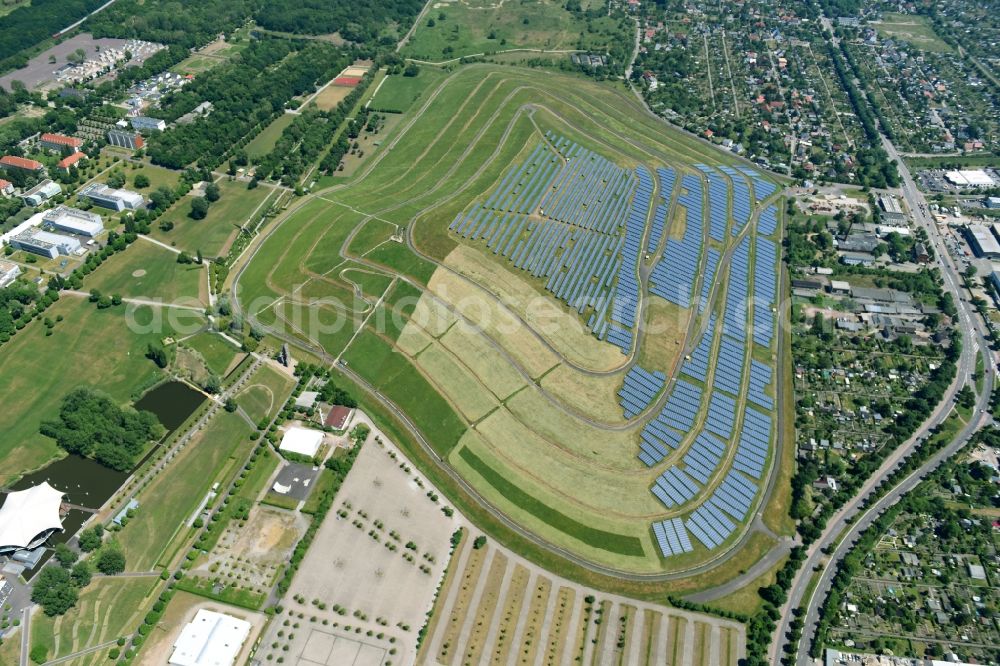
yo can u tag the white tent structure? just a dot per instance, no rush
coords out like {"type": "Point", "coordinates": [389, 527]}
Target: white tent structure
{"type": "Point", "coordinates": [303, 441]}
{"type": "Point", "coordinates": [27, 517]}
{"type": "Point", "coordinates": [210, 639]}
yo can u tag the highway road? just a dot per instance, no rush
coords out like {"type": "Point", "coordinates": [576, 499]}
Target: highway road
{"type": "Point", "coordinates": [974, 343]}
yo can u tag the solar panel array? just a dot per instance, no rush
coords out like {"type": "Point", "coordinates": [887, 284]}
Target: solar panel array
{"type": "Point", "coordinates": [709, 522]}
{"type": "Point", "coordinates": [708, 276]}
{"type": "Point", "coordinates": [666, 178]}
{"type": "Point", "coordinates": [750, 430]}
{"type": "Point", "coordinates": [729, 366]}
{"type": "Point", "coordinates": [768, 222]}
{"type": "Point", "coordinates": [760, 377]}
{"type": "Point", "coordinates": [762, 189]}
{"type": "Point", "coordinates": [559, 216]}
{"type": "Point", "coordinates": [755, 438]}
{"type": "Point", "coordinates": [765, 288]}
{"type": "Point", "coordinates": [742, 205]}
{"type": "Point", "coordinates": [671, 537]}
{"type": "Point", "coordinates": [702, 458]}
{"type": "Point", "coordinates": [677, 416]}
{"type": "Point", "coordinates": [626, 294]}
{"type": "Point", "coordinates": [639, 389]}
{"type": "Point", "coordinates": [718, 202]}
{"type": "Point", "coordinates": [697, 365]}
{"type": "Point", "coordinates": [673, 276]}
{"type": "Point", "coordinates": [735, 316]}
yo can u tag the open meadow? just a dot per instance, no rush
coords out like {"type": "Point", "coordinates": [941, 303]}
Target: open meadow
{"type": "Point", "coordinates": [96, 347]}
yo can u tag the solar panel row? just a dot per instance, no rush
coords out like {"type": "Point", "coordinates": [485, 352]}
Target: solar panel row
{"type": "Point", "coordinates": [666, 179]}
{"type": "Point", "coordinates": [673, 277]}
{"type": "Point", "coordinates": [638, 390]}
{"type": "Point", "coordinates": [677, 416]}
{"type": "Point", "coordinates": [718, 202]}
{"type": "Point", "coordinates": [742, 205]}
{"type": "Point", "coordinates": [765, 287]}
{"type": "Point", "coordinates": [697, 365]}
{"type": "Point", "coordinates": [626, 297]}
{"type": "Point", "coordinates": [703, 457]}
{"type": "Point", "coordinates": [671, 537]}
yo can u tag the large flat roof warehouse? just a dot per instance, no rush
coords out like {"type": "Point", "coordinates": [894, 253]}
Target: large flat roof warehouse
{"type": "Point", "coordinates": [969, 178]}
{"type": "Point", "coordinates": [303, 441]}
{"type": "Point", "coordinates": [28, 516]}
{"type": "Point", "coordinates": [210, 639]}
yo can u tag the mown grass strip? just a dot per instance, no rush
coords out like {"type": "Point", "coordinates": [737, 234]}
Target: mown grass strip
{"type": "Point", "coordinates": [616, 543]}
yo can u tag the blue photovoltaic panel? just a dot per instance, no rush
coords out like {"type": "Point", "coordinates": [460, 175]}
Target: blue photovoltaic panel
{"type": "Point", "coordinates": [762, 189]}
{"type": "Point", "coordinates": [718, 202]}
{"type": "Point", "coordinates": [639, 389]}
{"type": "Point", "coordinates": [708, 278]}
{"type": "Point", "coordinates": [742, 203]}
{"type": "Point", "coordinates": [729, 366]}
{"type": "Point", "coordinates": [673, 277]}
{"type": "Point", "coordinates": [574, 219]}
{"type": "Point", "coordinates": [765, 286]}
{"type": "Point", "coordinates": [697, 365]}
{"type": "Point", "coordinates": [768, 221]}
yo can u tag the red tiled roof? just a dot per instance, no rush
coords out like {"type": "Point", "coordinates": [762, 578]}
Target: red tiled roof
{"type": "Point", "coordinates": [337, 417]}
{"type": "Point", "coordinates": [67, 162]}
{"type": "Point", "coordinates": [21, 163]}
{"type": "Point", "coordinates": [4, 184]}
{"type": "Point", "coordinates": [347, 81]}
{"type": "Point", "coordinates": [62, 139]}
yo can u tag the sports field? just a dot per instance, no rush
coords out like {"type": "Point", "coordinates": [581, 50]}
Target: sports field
{"type": "Point", "coordinates": [265, 393]}
{"type": "Point", "coordinates": [506, 382]}
{"type": "Point", "coordinates": [98, 347]}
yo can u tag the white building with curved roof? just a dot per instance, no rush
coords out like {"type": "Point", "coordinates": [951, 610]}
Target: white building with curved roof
{"type": "Point", "coordinates": [28, 517]}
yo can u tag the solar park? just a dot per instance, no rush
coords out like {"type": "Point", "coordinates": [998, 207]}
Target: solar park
{"type": "Point", "coordinates": [514, 193]}
{"type": "Point", "coordinates": [577, 220]}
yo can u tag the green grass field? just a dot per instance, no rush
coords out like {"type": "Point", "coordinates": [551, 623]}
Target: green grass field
{"type": "Point", "coordinates": [89, 347]}
{"type": "Point", "coordinates": [399, 93]}
{"type": "Point", "coordinates": [218, 352]}
{"type": "Point", "coordinates": [480, 26]}
{"type": "Point", "coordinates": [148, 271]}
{"type": "Point", "coordinates": [174, 494]}
{"type": "Point", "coordinates": [213, 234]}
{"type": "Point", "coordinates": [911, 28]}
{"type": "Point", "coordinates": [375, 360]}
{"type": "Point", "coordinates": [265, 393]}
{"type": "Point", "coordinates": [107, 608]}
{"type": "Point", "coordinates": [264, 142]}
{"type": "Point", "coordinates": [624, 545]}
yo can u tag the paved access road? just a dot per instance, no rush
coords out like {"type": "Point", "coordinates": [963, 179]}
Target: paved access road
{"type": "Point", "coordinates": [974, 344]}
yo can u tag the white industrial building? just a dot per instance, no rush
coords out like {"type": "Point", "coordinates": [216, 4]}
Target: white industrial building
{"type": "Point", "coordinates": [303, 441]}
{"type": "Point", "coordinates": [45, 243]}
{"type": "Point", "coordinates": [118, 200]}
{"type": "Point", "coordinates": [41, 192]}
{"type": "Point", "coordinates": [211, 639]}
{"type": "Point", "coordinates": [141, 123]}
{"type": "Point", "coordinates": [28, 517]}
{"type": "Point", "coordinates": [8, 273]}
{"type": "Point", "coordinates": [74, 221]}
{"type": "Point", "coordinates": [969, 178]}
